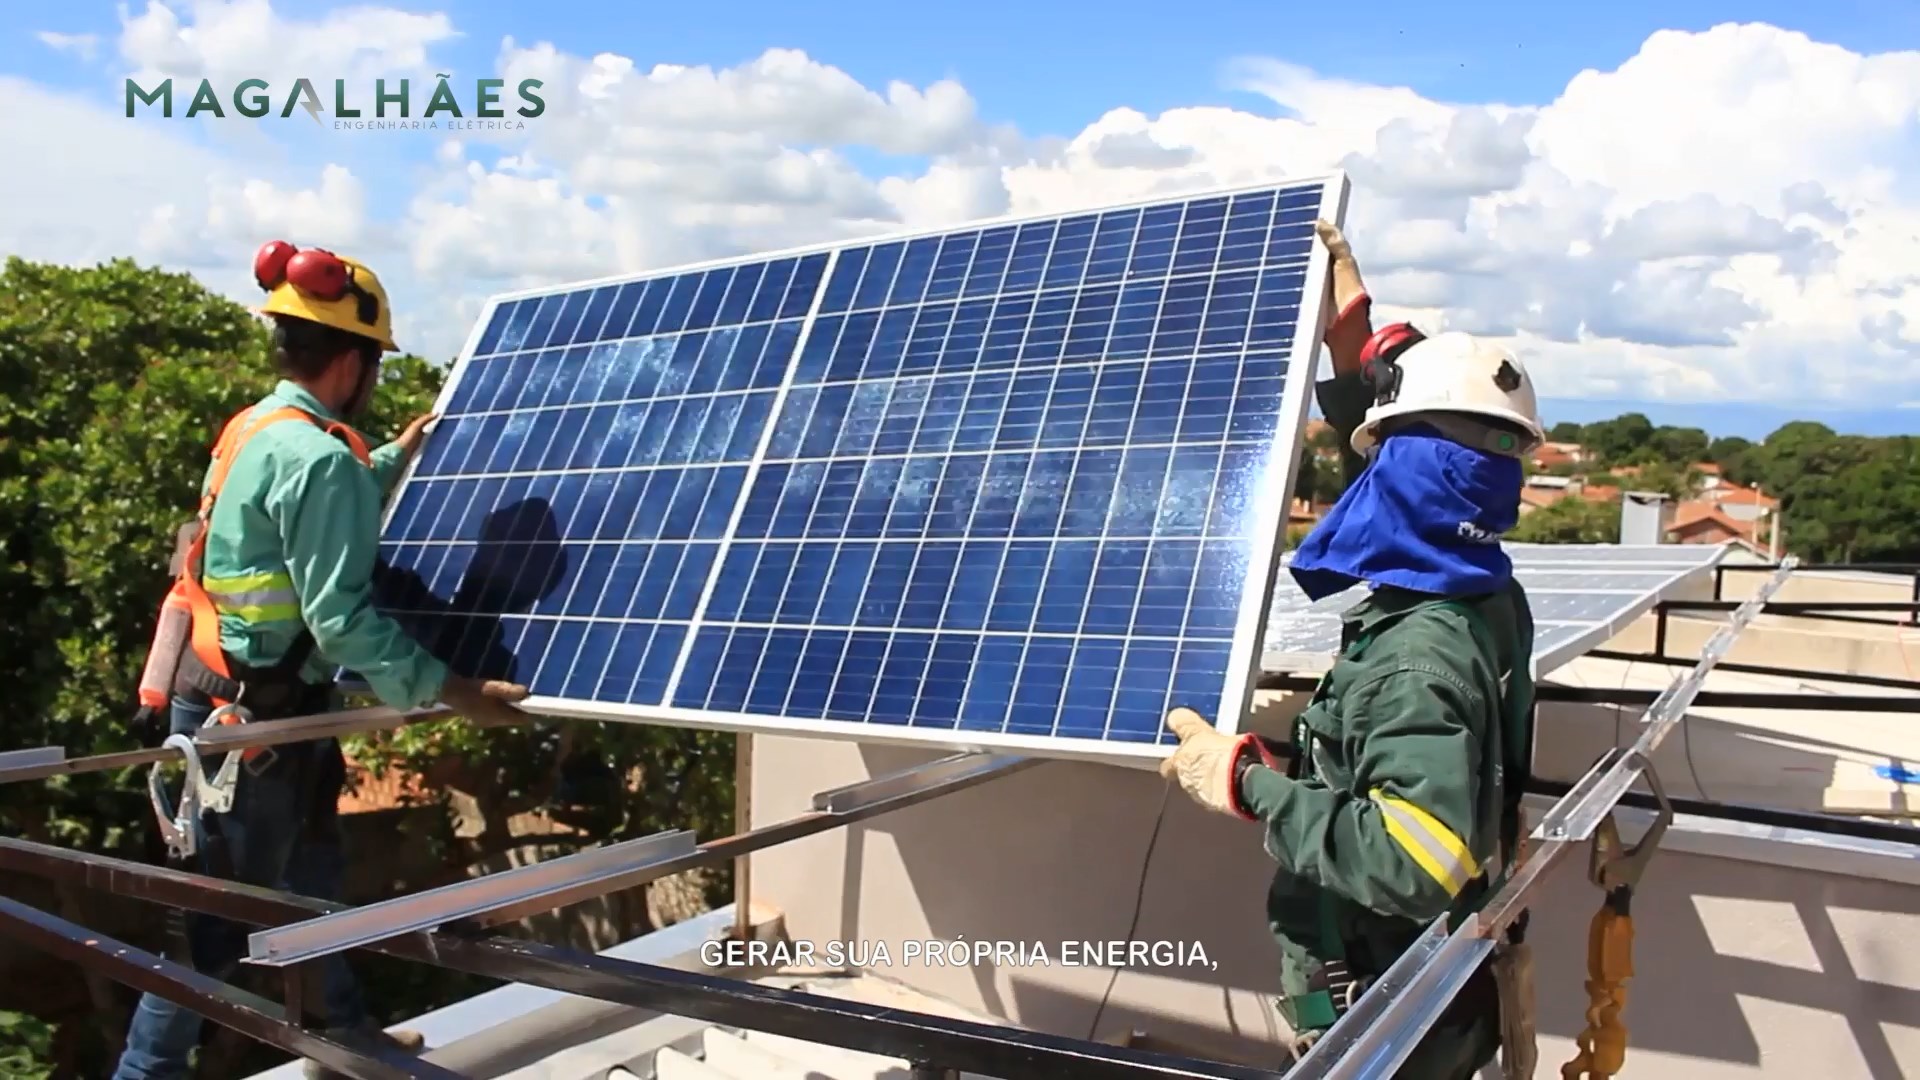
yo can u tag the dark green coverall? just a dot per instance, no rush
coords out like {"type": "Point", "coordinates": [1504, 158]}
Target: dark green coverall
{"type": "Point", "coordinates": [1408, 765]}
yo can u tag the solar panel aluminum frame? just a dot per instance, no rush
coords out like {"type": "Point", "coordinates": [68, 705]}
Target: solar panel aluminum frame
{"type": "Point", "coordinates": [1271, 503]}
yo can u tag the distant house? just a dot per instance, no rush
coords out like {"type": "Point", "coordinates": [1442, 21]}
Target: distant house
{"type": "Point", "coordinates": [1698, 521]}
{"type": "Point", "coordinates": [1724, 511]}
{"type": "Point", "coordinates": [1556, 455]}
{"type": "Point", "coordinates": [1544, 491]}
{"type": "Point", "coordinates": [1737, 502]}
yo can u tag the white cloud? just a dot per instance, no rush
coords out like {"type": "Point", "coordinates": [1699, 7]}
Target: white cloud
{"type": "Point", "coordinates": [230, 40]}
{"type": "Point", "coordinates": [82, 45]}
{"type": "Point", "coordinates": [1725, 215]}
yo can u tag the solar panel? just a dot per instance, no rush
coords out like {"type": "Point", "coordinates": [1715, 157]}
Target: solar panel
{"type": "Point", "coordinates": [1582, 595]}
{"type": "Point", "coordinates": [1014, 484]}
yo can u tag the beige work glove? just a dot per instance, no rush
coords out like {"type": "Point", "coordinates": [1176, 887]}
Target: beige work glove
{"type": "Point", "coordinates": [1352, 323]}
{"type": "Point", "coordinates": [1204, 762]}
{"type": "Point", "coordinates": [485, 704]}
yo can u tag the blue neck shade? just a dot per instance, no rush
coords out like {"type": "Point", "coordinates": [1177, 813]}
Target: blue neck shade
{"type": "Point", "coordinates": [1427, 515]}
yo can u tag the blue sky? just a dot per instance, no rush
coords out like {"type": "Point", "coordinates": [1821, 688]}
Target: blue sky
{"type": "Point", "coordinates": [1049, 69]}
{"type": "Point", "coordinates": [1056, 67]}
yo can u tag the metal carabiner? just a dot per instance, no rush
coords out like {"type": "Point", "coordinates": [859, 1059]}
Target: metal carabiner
{"type": "Point", "coordinates": [216, 795]}
{"type": "Point", "coordinates": [179, 826]}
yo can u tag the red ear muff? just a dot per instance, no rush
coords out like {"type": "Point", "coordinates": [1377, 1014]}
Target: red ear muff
{"type": "Point", "coordinates": [319, 274]}
{"type": "Point", "coordinates": [1379, 359]}
{"type": "Point", "coordinates": [270, 264]}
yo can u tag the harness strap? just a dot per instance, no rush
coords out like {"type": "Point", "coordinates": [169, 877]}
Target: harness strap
{"type": "Point", "coordinates": [205, 666]}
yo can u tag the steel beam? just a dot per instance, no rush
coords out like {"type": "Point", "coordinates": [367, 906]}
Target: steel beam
{"type": "Point", "coordinates": [1705, 699]}
{"type": "Point", "coordinates": [249, 1014]}
{"type": "Point", "coordinates": [1774, 670]}
{"type": "Point", "coordinates": [357, 927]}
{"type": "Point", "coordinates": [481, 903]}
{"type": "Point", "coordinates": [227, 738]}
{"type": "Point", "coordinates": [30, 758]}
{"type": "Point", "coordinates": [987, 1049]}
{"type": "Point", "coordinates": [882, 790]}
{"type": "Point", "coordinates": [1579, 814]}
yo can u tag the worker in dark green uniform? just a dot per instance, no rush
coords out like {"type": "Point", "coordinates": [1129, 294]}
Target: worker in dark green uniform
{"type": "Point", "coordinates": [1398, 798]}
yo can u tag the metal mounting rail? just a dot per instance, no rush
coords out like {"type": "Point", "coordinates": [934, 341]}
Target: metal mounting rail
{"type": "Point", "coordinates": [986, 1049]}
{"type": "Point", "coordinates": [249, 1014]}
{"type": "Point", "coordinates": [435, 908]}
{"type": "Point", "coordinates": [47, 761]}
{"type": "Point", "coordinates": [1375, 1036]}
{"type": "Point", "coordinates": [515, 894]}
{"type": "Point", "coordinates": [34, 756]}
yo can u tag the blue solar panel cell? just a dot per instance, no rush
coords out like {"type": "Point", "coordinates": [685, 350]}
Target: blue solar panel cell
{"type": "Point", "coordinates": [1017, 484]}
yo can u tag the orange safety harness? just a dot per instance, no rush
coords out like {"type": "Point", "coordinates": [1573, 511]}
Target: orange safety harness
{"type": "Point", "coordinates": [188, 615]}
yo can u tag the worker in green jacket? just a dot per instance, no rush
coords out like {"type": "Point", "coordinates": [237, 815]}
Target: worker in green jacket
{"type": "Point", "coordinates": [277, 575]}
{"type": "Point", "coordinates": [1397, 799]}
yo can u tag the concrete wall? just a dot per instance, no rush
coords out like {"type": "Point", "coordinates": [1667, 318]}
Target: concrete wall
{"type": "Point", "coordinates": [1743, 969]}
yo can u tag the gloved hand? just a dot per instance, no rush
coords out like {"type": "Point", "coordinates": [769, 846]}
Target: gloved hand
{"type": "Point", "coordinates": [485, 704]}
{"type": "Point", "coordinates": [1352, 323]}
{"type": "Point", "coordinates": [1204, 763]}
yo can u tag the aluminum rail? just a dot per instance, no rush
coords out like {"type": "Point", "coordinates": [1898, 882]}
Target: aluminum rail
{"type": "Point", "coordinates": [435, 908]}
{"type": "Point", "coordinates": [986, 1049]}
{"type": "Point", "coordinates": [515, 894]}
{"type": "Point", "coordinates": [31, 757]}
{"type": "Point", "coordinates": [249, 1014]}
{"type": "Point", "coordinates": [1376, 1036]}
{"type": "Point", "coordinates": [52, 760]}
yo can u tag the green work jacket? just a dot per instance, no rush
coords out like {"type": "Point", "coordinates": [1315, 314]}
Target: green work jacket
{"type": "Point", "coordinates": [292, 543]}
{"type": "Point", "coordinates": [1392, 813]}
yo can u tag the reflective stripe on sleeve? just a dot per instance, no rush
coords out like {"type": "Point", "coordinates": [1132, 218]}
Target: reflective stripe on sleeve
{"type": "Point", "coordinates": [1432, 845]}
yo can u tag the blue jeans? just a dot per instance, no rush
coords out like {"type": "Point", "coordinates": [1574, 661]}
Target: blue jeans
{"type": "Point", "coordinates": [274, 838]}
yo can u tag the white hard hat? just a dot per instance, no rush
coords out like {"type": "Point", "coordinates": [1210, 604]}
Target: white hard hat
{"type": "Point", "coordinates": [1463, 375]}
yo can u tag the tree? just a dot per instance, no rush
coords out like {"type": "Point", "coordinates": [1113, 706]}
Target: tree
{"type": "Point", "coordinates": [1567, 431]}
{"type": "Point", "coordinates": [1570, 521]}
{"type": "Point", "coordinates": [1726, 447]}
{"type": "Point", "coordinates": [1734, 455]}
{"type": "Point", "coordinates": [1676, 482]}
{"type": "Point", "coordinates": [1616, 441]}
{"type": "Point", "coordinates": [1679, 446]}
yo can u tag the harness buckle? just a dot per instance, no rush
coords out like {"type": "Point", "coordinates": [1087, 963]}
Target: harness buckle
{"type": "Point", "coordinates": [179, 826]}
{"type": "Point", "coordinates": [217, 796]}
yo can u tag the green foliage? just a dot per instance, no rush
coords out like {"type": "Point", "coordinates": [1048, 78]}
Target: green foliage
{"type": "Point", "coordinates": [1675, 482]}
{"type": "Point", "coordinates": [26, 1047]}
{"type": "Point", "coordinates": [1617, 441]}
{"type": "Point", "coordinates": [1843, 497]}
{"type": "Point", "coordinates": [1566, 431]}
{"type": "Point", "coordinates": [1678, 446]}
{"type": "Point", "coordinates": [1570, 521]}
{"type": "Point", "coordinates": [117, 378]}
{"type": "Point", "coordinates": [114, 381]}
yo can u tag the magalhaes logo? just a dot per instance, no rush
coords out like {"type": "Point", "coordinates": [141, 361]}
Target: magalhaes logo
{"type": "Point", "coordinates": [393, 107]}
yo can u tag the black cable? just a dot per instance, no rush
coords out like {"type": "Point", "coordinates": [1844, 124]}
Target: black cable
{"type": "Point", "coordinates": [1139, 901]}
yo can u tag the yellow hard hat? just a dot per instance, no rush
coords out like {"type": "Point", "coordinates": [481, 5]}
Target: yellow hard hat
{"type": "Point", "coordinates": [319, 286]}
